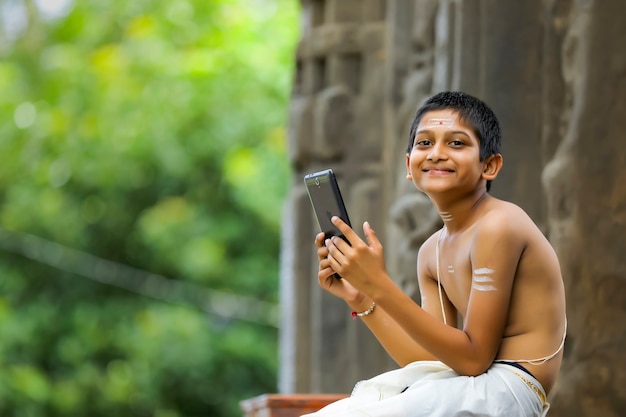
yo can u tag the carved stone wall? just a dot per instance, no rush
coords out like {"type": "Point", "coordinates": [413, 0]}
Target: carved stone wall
{"type": "Point", "coordinates": [555, 73]}
{"type": "Point", "coordinates": [336, 122]}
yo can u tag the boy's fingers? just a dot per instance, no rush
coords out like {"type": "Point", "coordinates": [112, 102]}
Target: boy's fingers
{"type": "Point", "coordinates": [345, 230]}
{"type": "Point", "coordinates": [370, 234]}
{"type": "Point", "coordinates": [319, 240]}
{"type": "Point", "coordinates": [324, 275]}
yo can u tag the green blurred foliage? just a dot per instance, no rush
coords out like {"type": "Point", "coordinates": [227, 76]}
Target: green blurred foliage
{"type": "Point", "coordinates": [149, 133]}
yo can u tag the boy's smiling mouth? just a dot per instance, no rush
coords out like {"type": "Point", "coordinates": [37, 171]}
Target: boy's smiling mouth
{"type": "Point", "coordinates": [437, 170]}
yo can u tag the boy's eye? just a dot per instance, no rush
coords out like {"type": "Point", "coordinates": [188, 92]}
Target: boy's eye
{"type": "Point", "coordinates": [456, 142]}
{"type": "Point", "coordinates": [422, 142]}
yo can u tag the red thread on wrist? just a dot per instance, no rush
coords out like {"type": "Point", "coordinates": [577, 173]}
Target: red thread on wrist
{"type": "Point", "coordinates": [369, 311]}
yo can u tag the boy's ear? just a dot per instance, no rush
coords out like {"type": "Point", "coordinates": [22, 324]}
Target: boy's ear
{"type": "Point", "coordinates": [408, 167]}
{"type": "Point", "coordinates": [492, 166]}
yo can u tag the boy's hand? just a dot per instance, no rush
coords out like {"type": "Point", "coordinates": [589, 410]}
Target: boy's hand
{"type": "Point", "coordinates": [361, 264]}
{"type": "Point", "coordinates": [326, 275]}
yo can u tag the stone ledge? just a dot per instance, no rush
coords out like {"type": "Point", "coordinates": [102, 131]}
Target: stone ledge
{"type": "Point", "coordinates": [286, 405]}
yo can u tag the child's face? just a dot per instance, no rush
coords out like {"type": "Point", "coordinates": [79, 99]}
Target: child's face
{"type": "Point", "coordinates": [445, 154]}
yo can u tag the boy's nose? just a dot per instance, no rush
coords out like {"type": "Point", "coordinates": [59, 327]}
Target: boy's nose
{"type": "Point", "coordinates": [436, 153]}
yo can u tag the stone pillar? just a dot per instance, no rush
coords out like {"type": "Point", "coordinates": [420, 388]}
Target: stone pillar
{"type": "Point", "coordinates": [583, 135]}
{"type": "Point", "coordinates": [336, 122]}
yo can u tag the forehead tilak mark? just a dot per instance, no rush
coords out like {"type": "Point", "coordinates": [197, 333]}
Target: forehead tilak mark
{"type": "Point", "coordinates": [439, 121]}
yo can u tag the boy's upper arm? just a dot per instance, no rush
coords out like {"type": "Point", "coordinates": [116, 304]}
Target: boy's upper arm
{"type": "Point", "coordinates": [495, 252]}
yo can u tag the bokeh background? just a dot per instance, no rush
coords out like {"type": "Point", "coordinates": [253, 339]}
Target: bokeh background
{"type": "Point", "coordinates": [143, 167]}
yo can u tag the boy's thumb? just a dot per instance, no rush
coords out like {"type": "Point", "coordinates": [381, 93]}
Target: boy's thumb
{"type": "Point", "coordinates": [370, 234]}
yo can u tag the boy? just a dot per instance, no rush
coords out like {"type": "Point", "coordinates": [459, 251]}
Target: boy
{"type": "Point", "coordinates": [488, 337]}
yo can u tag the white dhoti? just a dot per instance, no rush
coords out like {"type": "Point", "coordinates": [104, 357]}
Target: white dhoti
{"type": "Point", "coordinates": [432, 389]}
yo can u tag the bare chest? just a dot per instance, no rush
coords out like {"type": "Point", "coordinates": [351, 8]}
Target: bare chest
{"type": "Point", "coordinates": [455, 273]}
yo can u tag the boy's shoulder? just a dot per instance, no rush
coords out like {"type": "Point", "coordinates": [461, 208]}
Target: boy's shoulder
{"type": "Point", "coordinates": [508, 223]}
{"type": "Point", "coordinates": [496, 210]}
{"type": "Point", "coordinates": [496, 218]}
{"type": "Point", "coordinates": [503, 215]}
